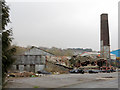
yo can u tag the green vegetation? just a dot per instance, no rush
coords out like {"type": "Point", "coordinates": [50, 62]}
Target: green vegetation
{"type": "Point", "coordinates": [36, 87]}
{"type": "Point", "coordinates": [7, 50]}
{"type": "Point", "coordinates": [19, 49]}
{"type": "Point", "coordinates": [58, 51]}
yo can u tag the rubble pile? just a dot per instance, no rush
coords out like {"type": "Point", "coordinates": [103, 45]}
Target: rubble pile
{"type": "Point", "coordinates": [21, 74]}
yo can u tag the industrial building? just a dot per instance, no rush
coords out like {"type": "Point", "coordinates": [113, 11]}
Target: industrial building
{"type": "Point", "coordinates": [31, 60]}
{"type": "Point", "coordinates": [117, 53]}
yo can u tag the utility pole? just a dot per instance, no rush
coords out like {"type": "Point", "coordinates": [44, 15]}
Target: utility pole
{"type": "Point", "coordinates": [0, 45]}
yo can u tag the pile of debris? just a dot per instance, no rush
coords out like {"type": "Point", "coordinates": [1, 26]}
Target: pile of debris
{"type": "Point", "coordinates": [21, 74]}
{"type": "Point", "coordinates": [28, 74]}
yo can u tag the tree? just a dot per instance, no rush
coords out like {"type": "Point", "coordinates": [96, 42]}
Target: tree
{"type": "Point", "coordinates": [7, 50]}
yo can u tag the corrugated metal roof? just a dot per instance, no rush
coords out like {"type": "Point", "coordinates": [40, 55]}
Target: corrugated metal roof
{"type": "Point", "coordinates": [116, 52]}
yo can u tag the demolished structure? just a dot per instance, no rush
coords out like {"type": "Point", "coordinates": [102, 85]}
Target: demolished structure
{"type": "Point", "coordinates": [102, 59]}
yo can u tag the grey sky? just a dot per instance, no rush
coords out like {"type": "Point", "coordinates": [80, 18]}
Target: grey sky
{"type": "Point", "coordinates": [62, 23]}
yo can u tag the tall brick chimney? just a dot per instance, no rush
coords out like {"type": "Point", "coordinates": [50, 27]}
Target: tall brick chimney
{"type": "Point", "coordinates": [104, 41]}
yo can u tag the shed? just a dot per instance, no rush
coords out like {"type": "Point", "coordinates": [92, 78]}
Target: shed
{"type": "Point", "coordinates": [33, 60]}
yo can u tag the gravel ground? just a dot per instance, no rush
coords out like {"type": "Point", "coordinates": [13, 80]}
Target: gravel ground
{"type": "Point", "coordinates": [64, 80]}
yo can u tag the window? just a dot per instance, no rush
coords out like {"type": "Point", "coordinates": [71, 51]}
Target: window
{"type": "Point", "coordinates": [17, 67]}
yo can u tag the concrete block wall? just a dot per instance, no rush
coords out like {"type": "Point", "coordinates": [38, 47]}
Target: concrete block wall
{"type": "Point", "coordinates": [39, 67]}
{"type": "Point", "coordinates": [30, 59]}
{"type": "Point", "coordinates": [21, 68]}
{"type": "Point", "coordinates": [33, 59]}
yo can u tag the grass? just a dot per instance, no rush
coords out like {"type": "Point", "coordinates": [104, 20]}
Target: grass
{"type": "Point", "coordinates": [36, 87]}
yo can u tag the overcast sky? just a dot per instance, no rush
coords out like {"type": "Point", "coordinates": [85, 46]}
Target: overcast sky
{"type": "Point", "coordinates": [62, 23]}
